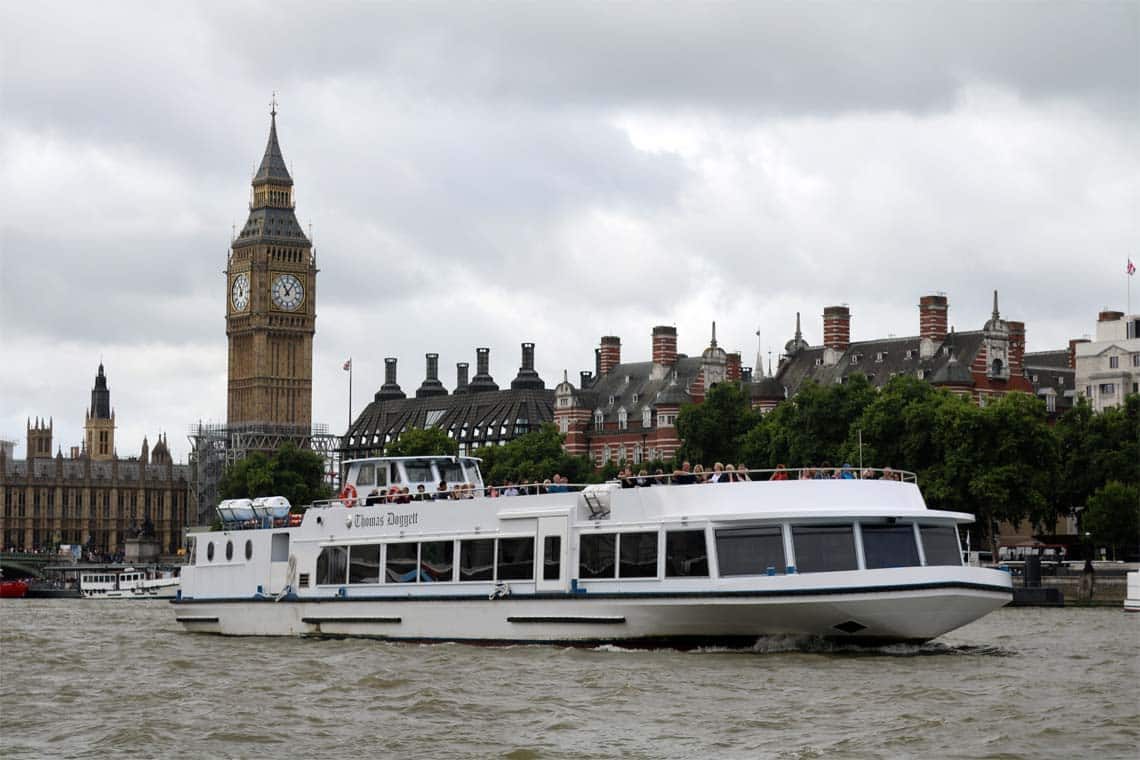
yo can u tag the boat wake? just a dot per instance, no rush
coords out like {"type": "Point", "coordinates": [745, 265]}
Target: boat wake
{"type": "Point", "coordinates": [791, 644]}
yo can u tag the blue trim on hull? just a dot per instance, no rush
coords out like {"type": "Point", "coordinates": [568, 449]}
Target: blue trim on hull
{"type": "Point", "coordinates": [802, 592]}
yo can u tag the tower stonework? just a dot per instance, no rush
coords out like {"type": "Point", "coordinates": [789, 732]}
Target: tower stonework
{"type": "Point", "coordinates": [271, 300]}
{"type": "Point", "coordinates": [99, 422]}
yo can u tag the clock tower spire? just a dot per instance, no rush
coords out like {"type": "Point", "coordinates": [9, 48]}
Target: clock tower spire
{"type": "Point", "coordinates": [271, 278]}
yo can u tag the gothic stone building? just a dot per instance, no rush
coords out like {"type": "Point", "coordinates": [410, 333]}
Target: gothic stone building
{"type": "Point", "coordinates": [627, 411]}
{"type": "Point", "coordinates": [271, 313]}
{"type": "Point", "coordinates": [477, 413]}
{"type": "Point", "coordinates": [91, 497]}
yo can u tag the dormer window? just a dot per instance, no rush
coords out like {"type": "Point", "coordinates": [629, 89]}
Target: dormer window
{"type": "Point", "coordinates": [646, 417]}
{"type": "Point", "coordinates": [634, 399]}
{"type": "Point", "coordinates": [623, 419]}
{"type": "Point", "coordinates": [611, 400]}
{"type": "Point", "coordinates": [921, 374]}
{"type": "Point", "coordinates": [910, 353]}
{"type": "Point", "coordinates": [819, 362]}
{"type": "Point", "coordinates": [854, 358]}
{"type": "Point", "coordinates": [879, 357]}
{"type": "Point", "coordinates": [599, 420]}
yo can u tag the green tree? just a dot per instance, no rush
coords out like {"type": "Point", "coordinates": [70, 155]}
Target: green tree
{"type": "Point", "coordinates": [292, 472]}
{"type": "Point", "coordinates": [712, 430]}
{"type": "Point", "coordinates": [1113, 518]}
{"type": "Point", "coordinates": [416, 442]}
{"type": "Point", "coordinates": [533, 457]}
{"type": "Point", "coordinates": [809, 429]}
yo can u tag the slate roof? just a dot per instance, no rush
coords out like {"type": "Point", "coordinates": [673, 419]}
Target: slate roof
{"type": "Point", "coordinates": [470, 418]}
{"type": "Point", "coordinates": [625, 382]}
{"type": "Point", "coordinates": [272, 167]}
{"type": "Point", "coordinates": [879, 360]}
{"type": "Point", "coordinates": [1049, 370]}
{"type": "Point", "coordinates": [271, 225]}
{"type": "Point", "coordinates": [1058, 359]}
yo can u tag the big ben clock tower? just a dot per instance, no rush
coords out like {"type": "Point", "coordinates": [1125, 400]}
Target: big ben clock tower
{"type": "Point", "coordinates": [271, 280]}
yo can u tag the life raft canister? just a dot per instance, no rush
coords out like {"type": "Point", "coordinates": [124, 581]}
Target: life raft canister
{"type": "Point", "coordinates": [348, 495]}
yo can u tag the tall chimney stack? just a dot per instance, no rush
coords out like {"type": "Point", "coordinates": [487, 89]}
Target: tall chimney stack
{"type": "Point", "coordinates": [732, 367]}
{"type": "Point", "coordinates": [431, 385]}
{"type": "Point", "coordinates": [837, 327]}
{"type": "Point", "coordinates": [933, 317]}
{"type": "Point", "coordinates": [1073, 351]}
{"type": "Point", "coordinates": [610, 353]}
{"type": "Point", "coordinates": [482, 380]}
{"type": "Point", "coordinates": [1016, 347]}
{"type": "Point", "coordinates": [390, 389]}
{"type": "Point", "coordinates": [527, 378]}
{"type": "Point", "coordinates": [665, 345]}
{"type": "Point", "coordinates": [461, 377]}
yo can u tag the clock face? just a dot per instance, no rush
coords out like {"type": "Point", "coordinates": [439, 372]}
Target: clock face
{"type": "Point", "coordinates": [288, 293]}
{"type": "Point", "coordinates": [239, 292]}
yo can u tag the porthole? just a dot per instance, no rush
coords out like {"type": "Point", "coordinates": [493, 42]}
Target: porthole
{"type": "Point", "coordinates": [248, 549]}
{"type": "Point", "coordinates": [210, 552]}
{"type": "Point", "coordinates": [229, 550]}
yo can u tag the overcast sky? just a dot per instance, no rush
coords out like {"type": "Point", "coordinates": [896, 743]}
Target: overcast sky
{"type": "Point", "coordinates": [484, 175]}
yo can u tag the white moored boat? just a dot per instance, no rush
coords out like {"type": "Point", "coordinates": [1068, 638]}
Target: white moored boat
{"type": "Point", "coordinates": [127, 583]}
{"type": "Point", "coordinates": [670, 564]}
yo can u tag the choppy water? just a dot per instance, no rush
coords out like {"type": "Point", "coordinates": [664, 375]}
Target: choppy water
{"type": "Point", "coordinates": [101, 679]}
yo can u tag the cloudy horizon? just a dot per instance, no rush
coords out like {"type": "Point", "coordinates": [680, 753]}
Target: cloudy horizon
{"type": "Point", "coordinates": [485, 175]}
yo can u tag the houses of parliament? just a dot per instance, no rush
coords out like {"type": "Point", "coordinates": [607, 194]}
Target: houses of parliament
{"type": "Point", "coordinates": [94, 497]}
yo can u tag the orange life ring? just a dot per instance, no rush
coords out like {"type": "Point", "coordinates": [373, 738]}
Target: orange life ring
{"type": "Point", "coordinates": [348, 495]}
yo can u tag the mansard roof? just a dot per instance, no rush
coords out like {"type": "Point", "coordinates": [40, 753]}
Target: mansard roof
{"type": "Point", "coordinates": [640, 379]}
{"type": "Point", "coordinates": [1058, 358]}
{"type": "Point", "coordinates": [472, 418]}
{"type": "Point", "coordinates": [271, 225]}
{"type": "Point", "coordinates": [272, 169]}
{"type": "Point", "coordinates": [879, 360]}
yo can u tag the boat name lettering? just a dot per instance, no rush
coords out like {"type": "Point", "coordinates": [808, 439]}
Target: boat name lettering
{"type": "Point", "coordinates": [388, 518]}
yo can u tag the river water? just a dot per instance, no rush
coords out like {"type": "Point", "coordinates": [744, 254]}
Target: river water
{"type": "Point", "coordinates": [101, 679]}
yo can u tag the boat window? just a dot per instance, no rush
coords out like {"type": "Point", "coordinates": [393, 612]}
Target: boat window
{"type": "Point", "coordinates": [516, 559]}
{"type": "Point", "coordinates": [419, 471]}
{"type": "Point", "coordinates": [477, 559]}
{"type": "Point", "coordinates": [248, 550]}
{"type": "Point", "coordinates": [331, 565]}
{"type": "Point", "coordinates": [552, 558]}
{"type": "Point", "coordinates": [367, 475]}
{"type": "Point", "coordinates": [686, 554]}
{"type": "Point", "coordinates": [750, 551]}
{"type": "Point", "coordinates": [638, 555]}
{"type": "Point", "coordinates": [940, 545]}
{"type": "Point", "coordinates": [824, 548]}
{"type": "Point", "coordinates": [451, 472]}
{"type": "Point", "coordinates": [596, 555]}
{"type": "Point", "coordinates": [229, 550]}
{"type": "Point", "coordinates": [436, 560]}
{"type": "Point", "coordinates": [210, 552]}
{"type": "Point", "coordinates": [401, 564]}
{"type": "Point", "coordinates": [889, 546]}
{"type": "Point", "coordinates": [364, 564]}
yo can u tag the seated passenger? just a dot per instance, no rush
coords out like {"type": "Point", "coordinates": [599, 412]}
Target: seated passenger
{"type": "Point", "coordinates": [717, 474]}
{"type": "Point", "coordinates": [421, 493]}
{"type": "Point", "coordinates": [511, 489]}
{"type": "Point", "coordinates": [729, 473]}
{"type": "Point", "coordinates": [642, 480]}
{"type": "Point", "coordinates": [684, 476]}
{"type": "Point", "coordinates": [699, 474]}
{"type": "Point", "coordinates": [373, 498]}
{"type": "Point", "coordinates": [659, 478]}
{"type": "Point", "coordinates": [847, 472]}
{"type": "Point", "coordinates": [868, 474]}
{"type": "Point", "coordinates": [742, 473]}
{"type": "Point", "coordinates": [559, 485]}
{"type": "Point", "coordinates": [441, 490]}
{"type": "Point", "coordinates": [405, 495]}
{"type": "Point", "coordinates": [781, 472]}
{"type": "Point", "coordinates": [889, 474]}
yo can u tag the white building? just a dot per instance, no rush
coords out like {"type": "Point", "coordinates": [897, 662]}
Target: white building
{"type": "Point", "coordinates": [1108, 368]}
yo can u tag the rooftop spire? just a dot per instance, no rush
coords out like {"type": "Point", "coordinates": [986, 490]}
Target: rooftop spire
{"type": "Point", "coordinates": [759, 355]}
{"type": "Point", "coordinates": [996, 315]}
{"type": "Point", "coordinates": [272, 167]}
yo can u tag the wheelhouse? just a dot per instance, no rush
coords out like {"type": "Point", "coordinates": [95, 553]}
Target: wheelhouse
{"type": "Point", "coordinates": [412, 472]}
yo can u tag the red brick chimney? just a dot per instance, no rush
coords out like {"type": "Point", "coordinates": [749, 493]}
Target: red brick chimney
{"type": "Point", "coordinates": [1109, 316]}
{"type": "Point", "coordinates": [1016, 347]}
{"type": "Point", "coordinates": [1073, 351]}
{"type": "Point", "coordinates": [610, 353]}
{"type": "Point", "coordinates": [665, 345]}
{"type": "Point", "coordinates": [836, 327]}
{"type": "Point", "coordinates": [933, 313]}
{"type": "Point", "coordinates": [732, 367]}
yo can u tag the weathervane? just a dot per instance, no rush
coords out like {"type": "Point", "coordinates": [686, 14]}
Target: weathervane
{"type": "Point", "coordinates": [273, 104]}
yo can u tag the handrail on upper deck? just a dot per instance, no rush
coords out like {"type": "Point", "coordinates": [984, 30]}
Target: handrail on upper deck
{"type": "Point", "coordinates": [466, 491]}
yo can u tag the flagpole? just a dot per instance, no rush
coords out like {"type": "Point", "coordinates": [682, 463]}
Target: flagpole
{"type": "Point", "coordinates": [350, 392]}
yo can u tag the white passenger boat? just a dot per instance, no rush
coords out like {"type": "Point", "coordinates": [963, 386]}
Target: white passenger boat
{"type": "Point", "coordinates": [861, 560]}
{"type": "Point", "coordinates": [128, 583]}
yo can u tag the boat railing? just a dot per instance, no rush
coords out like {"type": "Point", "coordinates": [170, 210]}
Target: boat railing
{"type": "Point", "coordinates": [462, 491]}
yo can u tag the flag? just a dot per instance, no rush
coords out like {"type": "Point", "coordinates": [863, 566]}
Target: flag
{"type": "Point", "coordinates": [348, 365]}
{"type": "Point", "coordinates": [1131, 268]}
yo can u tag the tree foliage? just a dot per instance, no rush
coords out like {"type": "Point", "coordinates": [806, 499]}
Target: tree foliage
{"type": "Point", "coordinates": [292, 472]}
{"type": "Point", "coordinates": [712, 430]}
{"type": "Point", "coordinates": [415, 442]}
{"type": "Point", "coordinates": [532, 458]}
{"type": "Point", "coordinates": [1113, 518]}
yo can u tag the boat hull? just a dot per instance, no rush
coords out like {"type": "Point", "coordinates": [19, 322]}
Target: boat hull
{"type": "Point", "coordinates": [13, 589]}
{"type": "Point", "coordinates": [907, 615]}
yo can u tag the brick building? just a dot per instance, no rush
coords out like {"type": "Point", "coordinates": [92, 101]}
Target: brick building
{"type": "Point", "coordinates": [981, 364]}
{"type": "Point", "coordinates": [627, 411]}
{"type": "Point", "coordinates": [91, 497]}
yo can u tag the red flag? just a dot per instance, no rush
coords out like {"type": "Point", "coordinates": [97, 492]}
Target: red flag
{"type": "Point", "coordinates": [348, 365]}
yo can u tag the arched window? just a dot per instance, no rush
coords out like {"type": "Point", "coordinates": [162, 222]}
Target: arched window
{"type": "Point", "coordinates": [997, 365]}
{"type": "Point", "coordinates": [623, 419]}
